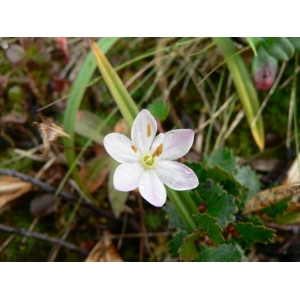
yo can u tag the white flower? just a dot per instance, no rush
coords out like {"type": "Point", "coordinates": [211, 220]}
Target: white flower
{"type": "Point", "coordinates": [146, 162]}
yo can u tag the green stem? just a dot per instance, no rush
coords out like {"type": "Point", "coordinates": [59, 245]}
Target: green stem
{"type": "Point", "coordinates": [185, 207]}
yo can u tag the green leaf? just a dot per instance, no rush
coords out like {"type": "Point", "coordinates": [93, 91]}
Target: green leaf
{"type": "Point", "coordinates": [223, 158]}
{"type": "Point", "coordinates": [277, 209]}
{"type": "Point", "coordinates": [221, 253]}
{"type": "Point", "coordinates": [289, 218]}
{"type": "Point", "coordinates": [244, 87]}
{"type": "Point", "coordinates": [174, 219]}
{"type": "Point", "coordinates": [176, 242]}
{"type": "Point", "coordinates": [255, 233]}
{"type": "Point", "coordinates": [86, 123]}
{"type": "Point", "coordinates": [209, 226]}
{"type": "Point", "coordinates": [188, 250]}
{"type": "Point", "coordinates": [117, 199]}
{"type": "Point", "coordinates": [279, 47]}
{"type": "Point", "coordinates": [248, 178]}
{"type": "Point", "coordinates": [159, 109]}
{"type": "Point", "coordinates": [78, 89]}
{"type": "Point", "coordinates": [229, 184]}
{"type": "Point", "coordinates": [262, 59]}
{"type": "Point", "coordinates": [220, 204]}
{"type": "Point", "coordinates": [224, 178]}
{"type": "Point", "coordinates": [295, 41]}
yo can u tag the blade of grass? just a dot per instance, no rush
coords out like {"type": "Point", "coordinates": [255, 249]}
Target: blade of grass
{"type": "Point", "coordinates": [245, 88]}
{"type": "Point", "coordinates": [77, 92]}
{"type": "Point", "coordinates": [120, 94]}
{"type": "Point", "coordinates": [252, 45]}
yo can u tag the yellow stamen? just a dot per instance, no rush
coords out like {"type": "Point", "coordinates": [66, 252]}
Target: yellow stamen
{"type": "Point", "coordinates": [148, 130]}
{"type": "Point", "coordinates": [158, 151]}
{"type": "Point", "coordinates": [134, 148]}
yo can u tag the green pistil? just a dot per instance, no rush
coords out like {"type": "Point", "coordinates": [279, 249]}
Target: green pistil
{"type": "Point", "coordinates": [148, 161]}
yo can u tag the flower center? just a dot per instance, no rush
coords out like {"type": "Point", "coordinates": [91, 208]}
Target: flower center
{"type": "Point", "coordinates": [148, 160]}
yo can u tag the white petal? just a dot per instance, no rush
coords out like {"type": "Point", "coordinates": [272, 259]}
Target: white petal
{"type": "Point", "coordinates": [152, 189]}
{"type": "Point", "coordinates": [127, 176]}
{"type": "Point", "coordinates": [157, 141]}
{"type": "Point", "coordinates": [119, 147]}
{"type": "Point", "coordinates": [176, 143]}
{"type": "Point", "coordinates": [176, 175]}
{"type": "Point", "coordinates": [143, 131]}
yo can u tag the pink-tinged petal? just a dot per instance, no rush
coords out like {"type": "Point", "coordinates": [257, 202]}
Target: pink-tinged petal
{"type": "Point", "coordinates": [143, 131]}
{"type": "Point", "coordinates": [157, 141]}
{"type": "Point", "coordinates": [177, 176]}
{"type": "Point", "coordinates": [176, 143]}
{"type": "Point", "coordinates": [127, 176]}
{"type": "Point", "coordinates": [152, 189]}
{"type": "Point", "coordinates": [120, 148]}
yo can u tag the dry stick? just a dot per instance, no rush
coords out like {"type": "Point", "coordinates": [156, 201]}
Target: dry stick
{"type": "Point", "coordinates": [42, 237]}
{"type": "Point", "coordinates": [136, 235]}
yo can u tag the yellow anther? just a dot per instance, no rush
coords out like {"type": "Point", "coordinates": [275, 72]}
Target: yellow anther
{"type": "Point", "coordinates": [134, 148]}
{"type": "Point", "coordinates": [148, 130]}
{"type": "Point", "coordinates": [158, 151]}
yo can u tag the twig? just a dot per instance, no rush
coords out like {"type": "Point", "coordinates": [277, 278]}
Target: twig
{"type": "Point", "coordinates": [42, 237]}
{"type": "Point", "coordinates": [136, 235]}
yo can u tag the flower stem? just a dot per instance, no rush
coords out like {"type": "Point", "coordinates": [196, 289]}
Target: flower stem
{"type": "Point", "coordinates": [184, 206]}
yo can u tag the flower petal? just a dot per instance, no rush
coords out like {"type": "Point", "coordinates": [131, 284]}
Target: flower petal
{"type": "Point", "coordinates": [152, 189]}
{"type": "Point", "coordinates": [176, 143]}
{"type": "Point", "coordinates": [143, 131]}
{"type": "Point", "coordinates": [176, 175]}
{"type": "Point", "coordinates": [119, 147]}
{"type": "Point", "coordinates": [157, 141]}
{"type": "Point", "coordinates": [127, 176]}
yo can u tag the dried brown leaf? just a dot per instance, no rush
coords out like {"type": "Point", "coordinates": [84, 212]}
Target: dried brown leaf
{"type": "Point", "coordinates": [271, 196]}
{"type": "Point", "coordinates": [49, 132]}
{"type": "Point", "coordinates": [12, 188]}
{"type": "Point", "coordinates": [104, 251]}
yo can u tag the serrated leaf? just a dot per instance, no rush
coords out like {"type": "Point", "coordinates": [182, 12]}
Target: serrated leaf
{"type": "Point", "coordinates": [117, 199]}
{"type": "Point", "coordinates": [224, 178]}
{"type": "Point", "coordinates": [248, 178]}
{"type": "Point", "coordinates": [255, 233]}
{"type": "Point", "coordinates": [174, 219]}
{"type": "Point", "coordinates": [223, 158]}
{"type": "Point", "coordinates": [209, 226]}
{"type": "Point", "coordinates": [279, 47]}
{"type": "Point", "coordinates": [188, 250]}
{"type": "Point", "coordinates": [220, 204]}
{"type": "Point", "coordinates": [221, 253]}
{"type": "Point", "coordinates": [229, 184]}
{"type": "Point", "coordinates": [159, 109]}
{"type": "Point", "coordinates": [176, 242]}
